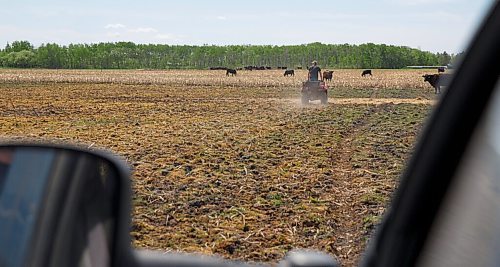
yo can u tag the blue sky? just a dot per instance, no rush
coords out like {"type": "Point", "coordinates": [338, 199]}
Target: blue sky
{"type": "Point", "coordinates": [431, 25]}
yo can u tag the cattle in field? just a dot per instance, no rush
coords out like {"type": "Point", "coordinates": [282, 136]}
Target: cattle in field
{"type": "Point", "coordinates": [289, 73]}
{"type": "Point", "coordinates": [437, 81]}
{"type": "Point", "coordinates": [328, 75]}
{"type": "Point", "coordinates": [366, 72]}
{"type": "Point", "coordinates": [441, 69]}
{"type": "Point", "coordinates": [230, 71]}
{"type": "Point", "coordinates": [257, 68]}
{"type": "Point", "coordinates": [218, 68]}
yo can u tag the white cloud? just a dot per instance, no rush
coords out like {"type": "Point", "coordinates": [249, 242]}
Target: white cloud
{"type": "Point", "coordinates": [114, 26]}
{"type": "Point", "coordinates": [221, 18]}
{"type": "Point", "coordinates": [144, 30]}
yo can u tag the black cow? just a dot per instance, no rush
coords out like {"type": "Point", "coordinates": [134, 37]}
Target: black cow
{"type": "Point", "coordinates": [440, 69]}
{"type": "Point", "coordinates": [289, 72]}
{"type": "Point", "coordinates": [218, 68]}
{"type": "Point", "coordinates": [328, 75]}
{"type": "Point", "coordinates": [230, 71]}
{"type": "Point", "coordinates": [366, 72]}
{"type": "Point", "coordinates": [437, 80]}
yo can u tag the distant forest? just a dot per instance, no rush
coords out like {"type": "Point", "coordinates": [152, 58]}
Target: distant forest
{"type": "Point", "coordinates": [128, 55]}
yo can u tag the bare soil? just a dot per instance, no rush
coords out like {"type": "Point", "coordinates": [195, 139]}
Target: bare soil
{"type": "Point", "coordinates": [236, 169]}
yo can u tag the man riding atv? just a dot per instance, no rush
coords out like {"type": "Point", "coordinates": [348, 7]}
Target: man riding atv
{"type": "Point", "coordinates": [314, 72]}
{"type": "Point", "coordinates": [314, 89]}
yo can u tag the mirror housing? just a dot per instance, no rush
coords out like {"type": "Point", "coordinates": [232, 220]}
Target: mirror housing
{"type": "Point", "coordinates": [61, 205]}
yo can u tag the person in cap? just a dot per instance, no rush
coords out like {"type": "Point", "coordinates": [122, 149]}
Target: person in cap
{"type": "Point", "coordinates": [314, 72]}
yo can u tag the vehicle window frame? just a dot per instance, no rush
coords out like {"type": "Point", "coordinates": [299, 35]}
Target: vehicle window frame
{"type": "Point", "coordinates": [400, 238]}
{"type": "Point", "coordinates": [469, 211]}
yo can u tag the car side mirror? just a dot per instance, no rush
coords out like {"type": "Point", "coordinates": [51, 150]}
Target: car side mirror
{"type": "Point", "coordinates": [62, 206]}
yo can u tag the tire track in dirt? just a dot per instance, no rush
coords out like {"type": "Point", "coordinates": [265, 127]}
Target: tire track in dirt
{"type": "Point", "coordinates": [349, 241]}
{"type": "Point", "coordinates": [355, 191]}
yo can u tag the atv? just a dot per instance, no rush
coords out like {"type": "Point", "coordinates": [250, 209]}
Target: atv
{"type": "Point", "coordinates": [314, 90]}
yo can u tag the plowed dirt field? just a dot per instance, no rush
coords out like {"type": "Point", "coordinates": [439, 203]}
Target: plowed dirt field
{"type": "Point", "coordinates": [235, 166]}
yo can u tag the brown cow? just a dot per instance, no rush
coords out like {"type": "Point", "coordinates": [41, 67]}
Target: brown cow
{"type": "Point", "coordinates": [328, 75]}
{"type": "Point", "coordinates": [437, 80]}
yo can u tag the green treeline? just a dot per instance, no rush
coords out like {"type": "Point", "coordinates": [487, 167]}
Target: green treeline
{"type": "Point", "coordinates": [127, 55]}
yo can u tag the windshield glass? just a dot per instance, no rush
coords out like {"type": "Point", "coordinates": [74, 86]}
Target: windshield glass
{"type": "Point", "coordinates": [253, 128]}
